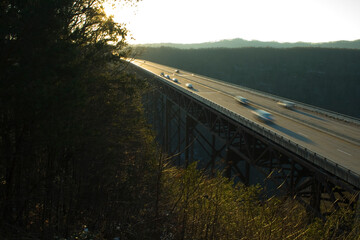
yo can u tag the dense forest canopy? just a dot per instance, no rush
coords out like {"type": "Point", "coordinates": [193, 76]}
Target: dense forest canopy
{"type": "Point", "coordinates": [323, 77]}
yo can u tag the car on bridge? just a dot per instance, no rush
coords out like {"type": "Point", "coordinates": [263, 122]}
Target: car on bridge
{"type": "Point", "coordinates": [287, 104]}
{"type": "Point", "coordinates": [242, 100]}
{"type": "Point", "coordinates": [189, 85]}
{"type": "Point", "coordinates": [177, 71]}
{"type": "Point", "coordinates": [175, 80]}
{"type": "Point", "coordinates": [167, 76]}
{"type": "Point", "coordinates": [263, 116]}
{"type": "Point", "coordinates": [162, 74]}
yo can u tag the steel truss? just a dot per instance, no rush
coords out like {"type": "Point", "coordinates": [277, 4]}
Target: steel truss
{"type": "Point", "coordinates": [240, 151]}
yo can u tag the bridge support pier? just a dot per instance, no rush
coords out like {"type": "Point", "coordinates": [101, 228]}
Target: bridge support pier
{"type": "Point", "coordinates": [189, 140]}
{"type": "Point", "coordinates": [167, 132]}
{"type": "Point", "coordinates": [315, 197]}
{"type": "Point", "coordinates": [229, 158]}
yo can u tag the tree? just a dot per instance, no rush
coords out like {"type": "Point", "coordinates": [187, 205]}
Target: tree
{"type": "Point", "coordinates": [196, 206]}
{"type": "Point", "coordinates": [70, 123]}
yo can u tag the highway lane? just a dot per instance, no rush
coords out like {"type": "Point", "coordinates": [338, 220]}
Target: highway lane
{"type": "Point", "coordinates": [331, 138]}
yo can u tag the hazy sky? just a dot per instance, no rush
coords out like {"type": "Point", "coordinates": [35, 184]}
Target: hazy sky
{"type": "Point", "coordinates": [194, 21]}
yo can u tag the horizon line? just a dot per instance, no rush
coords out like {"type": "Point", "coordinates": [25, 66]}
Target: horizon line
{"type": "Point", "coordinates": [252, 40]}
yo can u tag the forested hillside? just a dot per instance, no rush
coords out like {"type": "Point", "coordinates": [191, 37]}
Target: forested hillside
{"type": "Point", "coordinates": [327, 78]}
{"type": "Point", "coordinates": [240, 43]}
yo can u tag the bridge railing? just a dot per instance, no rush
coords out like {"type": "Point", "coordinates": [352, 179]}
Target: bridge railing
{"type": "Point", "coordinates": [326, 164]}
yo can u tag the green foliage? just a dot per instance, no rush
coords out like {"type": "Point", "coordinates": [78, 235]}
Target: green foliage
{"type": "Point", "coordinates": [198, 207]}
{"type": "Point", "coordinates": [339, 225]}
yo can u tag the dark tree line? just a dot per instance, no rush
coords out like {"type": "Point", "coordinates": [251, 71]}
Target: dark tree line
{"type": "Point", "coordinates": [74, 147]}
{"type": "Point", "coordinates": [324, 77]}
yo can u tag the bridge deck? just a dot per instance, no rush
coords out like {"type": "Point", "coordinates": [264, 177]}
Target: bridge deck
{"type": "Point", "coordinates": [334, 139]}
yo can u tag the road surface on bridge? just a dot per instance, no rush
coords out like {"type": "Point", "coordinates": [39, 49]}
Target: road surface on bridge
{"type": "Point", "coordinates": [333, 139]}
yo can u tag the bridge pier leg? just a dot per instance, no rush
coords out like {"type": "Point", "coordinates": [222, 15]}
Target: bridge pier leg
{"type": "Point", "coordinates": [229, 158]}
{"type": "Point", "coordinates": [247, 173]}
{"type": "Point", "coordinates": [179, 121]}
{"type": "Point", "coordinates": [189, 140]}
{"type": "Point", "coordinates": [158, 115]}
{"type": "Point", "coordinates": [315, 197]}
{"type": "Point", "coordinates": [167, 128]}
{"type": "Point", "coordinates": [292, 187]}
{"type": "Point", "coordinates": [153, 102]}
{"type": "Point", "coordinates": [213, 155]}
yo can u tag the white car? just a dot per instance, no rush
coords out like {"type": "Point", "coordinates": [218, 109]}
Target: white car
{"type": "Point", "coordinates": [287, 104]}
{"type": "Point", "coordinates": [242, 100]}
{"type": "Point", "coordinates": [189, 85]}
{"type": "Point", "coordinates": [177, 71]}
{"type": "Point", "coordinates": [263, 115]}
{"type": "Point", "coordinates": [175, 80]}
{"type": "Point", "coordinates": [167, 76]}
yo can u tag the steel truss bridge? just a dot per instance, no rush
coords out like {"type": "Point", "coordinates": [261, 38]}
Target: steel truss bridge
{"type": "Point", "coordinates": [192, 127]}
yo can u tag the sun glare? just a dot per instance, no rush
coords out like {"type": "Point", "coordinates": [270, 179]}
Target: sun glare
{"type": "Point", "coordinates": [189, 21]}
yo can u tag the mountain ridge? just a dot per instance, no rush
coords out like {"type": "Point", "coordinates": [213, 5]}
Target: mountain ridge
{"type": "Point", "coordinates": [241, 43]}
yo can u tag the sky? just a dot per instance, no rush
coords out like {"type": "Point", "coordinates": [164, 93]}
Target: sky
{"type": "Point", "coordinates": [196, 21]}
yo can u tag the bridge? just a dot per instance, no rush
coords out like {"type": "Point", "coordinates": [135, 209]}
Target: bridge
{"type": "Point", "coordinates": [311, 153]}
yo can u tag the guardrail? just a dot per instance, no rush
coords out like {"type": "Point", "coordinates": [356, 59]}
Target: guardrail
{"type": "Point", "coordinates": [333, 168]}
